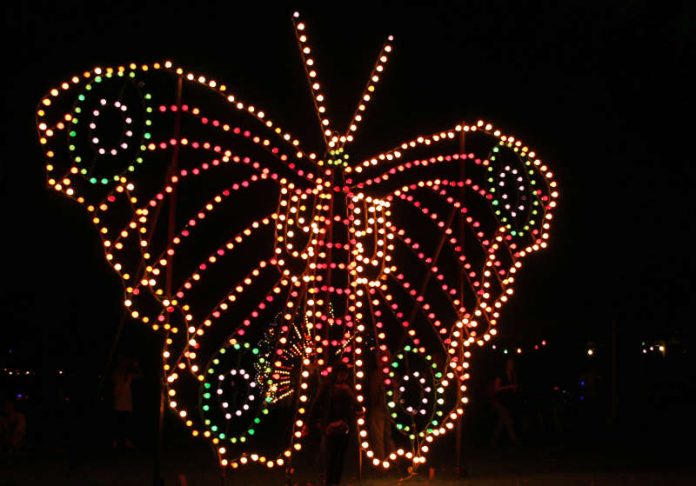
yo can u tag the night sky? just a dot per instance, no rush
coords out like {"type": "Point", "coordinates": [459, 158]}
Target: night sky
{"type": "Point", "coordinates": [600, 89]}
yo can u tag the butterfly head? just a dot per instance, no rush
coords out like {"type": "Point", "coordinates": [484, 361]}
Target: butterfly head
{"type": "Point", "coordinates": [336, 159]}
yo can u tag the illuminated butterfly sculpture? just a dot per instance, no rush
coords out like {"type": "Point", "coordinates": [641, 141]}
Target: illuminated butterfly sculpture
{"type": "Point", "coordinates": [275, 262]}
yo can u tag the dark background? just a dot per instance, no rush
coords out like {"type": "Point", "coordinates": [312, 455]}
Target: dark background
{"type": "Point", "coordinates": [602, 90]}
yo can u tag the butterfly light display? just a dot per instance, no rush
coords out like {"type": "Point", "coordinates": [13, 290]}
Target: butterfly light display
{"type": "Point", "coordinates": [275, 262]}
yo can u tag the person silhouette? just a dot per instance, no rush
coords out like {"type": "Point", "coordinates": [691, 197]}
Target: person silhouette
{"type": "Point", "coordinates": [335, 409]}
{"type": "Point", "coordinates": [13, 427]}
{"type": "Point", "coordinates": [127, 370]}
{"type": "Point", "coordinates": [378, 415]}
{"type": "Point", "coordinates": [503, 398]}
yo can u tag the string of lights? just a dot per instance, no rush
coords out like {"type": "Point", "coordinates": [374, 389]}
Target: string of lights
{"type": "Point", "coordinates": [323, 267]}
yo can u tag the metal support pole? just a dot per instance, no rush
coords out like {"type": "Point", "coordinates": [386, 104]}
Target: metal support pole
{"type": "Point", "coordinates": [157, 479]}
{"type": "Point", "coordinates": [614, 399]}
{"type": "Point", "coordinates": [458, 447]}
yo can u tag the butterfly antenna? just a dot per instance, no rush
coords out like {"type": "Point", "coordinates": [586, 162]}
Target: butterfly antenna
{"type": "Point", "coordinates": [311, 72]}
{"type": "Point", "coordinates": [369, 91]}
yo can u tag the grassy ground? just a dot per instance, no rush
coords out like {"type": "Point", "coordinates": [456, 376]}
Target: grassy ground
{"type": "Point", "coordinates": [586, 464]}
